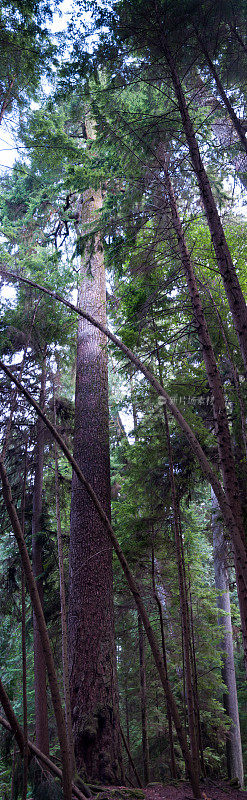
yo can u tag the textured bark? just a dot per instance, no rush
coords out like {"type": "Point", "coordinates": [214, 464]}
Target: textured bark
{"type": "Point", "coordinates": [135, 591]}
{"type": "Point", "coordinates": [93, 681]}
{"type": "Point", "coordinates": [41, 713]}
{"type": "Point", "coordinates": [233, 744]}
{"type": "Point", "coordinates": [196, 448]}
{"type": "Point", "coordinates": [160, 390]}
{"type": "Point", "coordinates": [143, 696]}
{"type": "Point", "coordinates": [228, 273]}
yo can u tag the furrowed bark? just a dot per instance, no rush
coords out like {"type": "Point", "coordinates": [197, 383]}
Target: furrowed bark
{"type": "Point", "coordinates": [193, 441]}
{"type": "Point", "coordinates": [58, 711]}
{"type": "Point", "coordinates": [230, 280]}
{"type": "Point", "coordinates": [94, 700]}
{"type": "Point", "coordinates": [129, 577]}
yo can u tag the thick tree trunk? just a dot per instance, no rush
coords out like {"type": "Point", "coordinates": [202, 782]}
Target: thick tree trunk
{"type": "Point", "coordinates": [127, 572]}
{"type": "Point", "coordinates": [233, 744]}
{"type": "Point", "coordinates": [93, 681]}
{"type": "Point", "coordinates": [143, 696]}
{"type": "Point", "coordinates": [41, 713]}
{"type": "Point", "coordinates": [206, 467]}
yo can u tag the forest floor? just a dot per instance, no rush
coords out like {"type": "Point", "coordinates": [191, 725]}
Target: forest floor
{"type": "Point", "coordinates": [210, 791]}
{"type": "Point", "coordinates": [183, 791]}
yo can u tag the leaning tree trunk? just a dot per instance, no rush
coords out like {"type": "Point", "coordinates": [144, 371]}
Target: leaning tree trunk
{"type": "Point", "coordinates": [93, 682]}
{"type": "Point", "coordinates": [226, 267]}
{"type": "Point", "coordinates": [219, 412]}
{"type": "Point", "coordinates": [233, 744]}
{"type": "Point", "coordinates": [41, 713]}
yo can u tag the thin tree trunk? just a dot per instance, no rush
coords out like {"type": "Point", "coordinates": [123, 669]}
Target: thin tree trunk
{"type": "Point", "coordinates": [228, 273]}
{"type": "Point", "coordinates": [234, 371]}
{"type": "Point", "coordinates": [219, 411]}
{"type": "Point", "coordinates": [184, 608]}
{"type": "Point", "coordinates": [235, 121]}
{"type": "Point", "coordinates": [23, 644]}
{"type": "Point", "coordinates": [233, 30]}
{"type": "Point", "coordinates": [185, 621]}
{"type": "Point", "coordinates": [12, 789]}
{"type": "Point", "coordinates": [143, 695]}
{"type": "Point", "coordinates": [195, 681]}
{"type": "Point", "coordinates": [35, 599]}
{"type": "Point", "coordinates": [15, 393]}
{"type": "Point", "coordinates": [41, 712]}
{"type": "Point", "coordinates": [34, 751]}
{"type": "Point", "coordinates": [126, 745]}
{"type": "Point", "coordinates": [132, 585]}
{"type": "Point", "coordinates": [127, 723]}
{"type": "Point", "coordinates": [65, 657]}
{"type": "Point", "coordinates": [233, 743]}
{"type": "Point", "coordinates": [93, 679]}
{"type": "Point", "coordinates": [168, 712]}
{"type": "Point", "coordinates": [160, 390]}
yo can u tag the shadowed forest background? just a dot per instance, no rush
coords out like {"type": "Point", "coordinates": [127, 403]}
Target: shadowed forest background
{"type": "Point", "coordinates": [123, 355]}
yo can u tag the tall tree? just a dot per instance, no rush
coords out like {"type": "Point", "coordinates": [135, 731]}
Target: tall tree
{"type": "Point", "coordinates": [41, 713]}
{"type": "Point", "coordinates": [93, 679]}
{"type": "Point", "coordinates": [233, 742]}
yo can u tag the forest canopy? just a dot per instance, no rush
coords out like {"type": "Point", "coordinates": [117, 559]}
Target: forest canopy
{"type": "Point", "coordinates": [123, 355]}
